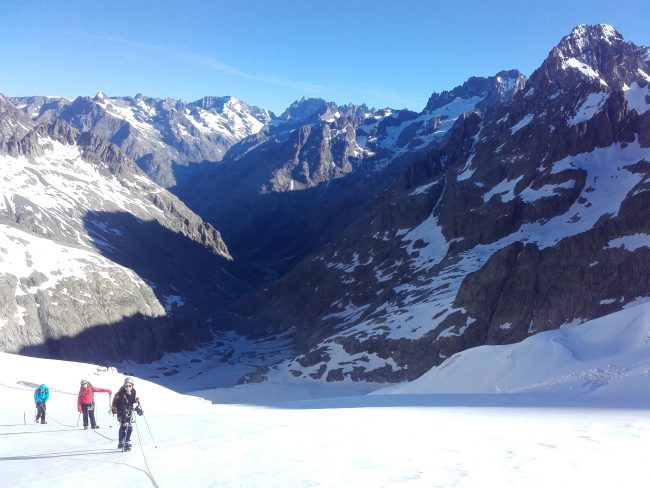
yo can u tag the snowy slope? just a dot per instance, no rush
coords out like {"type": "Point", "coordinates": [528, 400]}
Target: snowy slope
{"type": "Point", "coordinates": [58, 188]}
{"type": "Point", "coordinates": [603, 360]}
{"type": "Point", "coordinates": [52, 246]}
{"type": "Point", "coordinates": [608, 358]}
{"type": "Point", "coordinates": [558, 436]}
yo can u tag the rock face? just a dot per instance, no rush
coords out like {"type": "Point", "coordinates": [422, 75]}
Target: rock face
{"type": "Point", "coordinates": [157, 134]}
{"type": "Point", "coordinates": [13, 123]}
{"type": "Point", "coordinates": [96, 261]}
{"type": "Point", "coordinates": [530, 216]}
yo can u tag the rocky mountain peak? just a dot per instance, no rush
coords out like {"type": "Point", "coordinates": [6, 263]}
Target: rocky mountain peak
{"type": "Point", "coordinates": [13, 122]}
{"type": "Point", "coordinates": [596, 54]}
{"type": "Point", "coordinates": [210, 102]}
{"type": "Point", "coordinates": [502, 88]}
{"type": "Point", "coordinates": [487, 92]}
{"type": "Point", "coordinates": [222, 105]}
{"type": "Point", "coordinates": [584, 39]}
{"type": "Point", "coordinates": [310, 111]}
{"type": "Point", "coordinates": [305, 110]}
{"type": "Point", "coordinates": [509, 82]}
{"type": "Point", "coordinates": [6, 107]}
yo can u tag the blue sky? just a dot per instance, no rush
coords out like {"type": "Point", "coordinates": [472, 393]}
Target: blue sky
{"type": "Point", "coordinates": [269, 53]}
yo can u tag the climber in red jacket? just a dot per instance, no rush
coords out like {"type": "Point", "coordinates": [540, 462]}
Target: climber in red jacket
{"type": "Point", "coordinates": [86, 402]}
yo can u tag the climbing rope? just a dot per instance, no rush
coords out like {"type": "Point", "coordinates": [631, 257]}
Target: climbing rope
{"type": "Point", "coordinates": [137, 431]}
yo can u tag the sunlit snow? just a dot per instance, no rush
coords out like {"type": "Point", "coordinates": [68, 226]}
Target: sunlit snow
{"type": "Point", "coordinates": [637, 98]}
{"type": "Point", "coordinates": [631, 243]}
{"type": "Point", "coordinates": [522, 123]}
{"type": "Point", "coordinates": [505, 190]}
{"type": "Point", "coordinates": [583, 68]}
{"type": "Point", "coordinates": [592, 104]}
{"type": "Point", "coordinates": [563, 408]}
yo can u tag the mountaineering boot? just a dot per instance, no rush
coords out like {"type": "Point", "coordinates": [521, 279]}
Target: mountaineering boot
{"type": "Point", "coordinates": [95, 426]}
{"type": "Point", "coordinates": [120, 445]}
{"type": "Point", "coordinates": [127, 446]}
{"type": "Point", "coordinates": [85, 427]}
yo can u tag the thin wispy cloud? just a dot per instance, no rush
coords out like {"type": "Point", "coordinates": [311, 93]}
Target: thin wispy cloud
{"type": "Point", "coordinates": [146, 50]}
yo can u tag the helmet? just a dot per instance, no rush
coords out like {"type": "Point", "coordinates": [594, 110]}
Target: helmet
{"type": "Point", "coordinates": [128, 381]}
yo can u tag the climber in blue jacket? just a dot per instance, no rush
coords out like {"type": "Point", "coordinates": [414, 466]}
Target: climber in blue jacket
{"type": "Point", "coordinates": [41, 395]}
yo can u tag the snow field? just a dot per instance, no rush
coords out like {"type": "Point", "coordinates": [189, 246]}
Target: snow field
{"type": "Point", "coordinates": [389, 443]}
{"type": "Point", "coordinates": [569, 407]}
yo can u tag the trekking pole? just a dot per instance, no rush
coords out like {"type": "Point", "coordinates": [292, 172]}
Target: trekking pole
{"type": "Point", "coordinates": [25, 418]}
{"type": "Point", "coordinates": [147, 424]}
{"type": "Point", "coordinates": [78, 417]}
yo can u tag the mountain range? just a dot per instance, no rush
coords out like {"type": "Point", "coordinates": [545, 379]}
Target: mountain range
{"type": "Point", "coordinates": [157, 134]}
{"type": "Point", "coordinates": [333, 243]}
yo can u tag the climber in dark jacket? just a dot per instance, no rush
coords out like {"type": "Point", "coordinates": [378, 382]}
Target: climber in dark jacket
{"type": "Point", "coordinates": [123, 405]}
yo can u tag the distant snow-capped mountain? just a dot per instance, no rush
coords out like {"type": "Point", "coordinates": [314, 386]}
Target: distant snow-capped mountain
{"type": "Point", "coordinates": [155, 133]}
